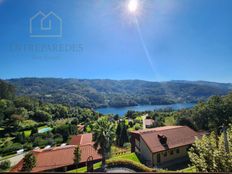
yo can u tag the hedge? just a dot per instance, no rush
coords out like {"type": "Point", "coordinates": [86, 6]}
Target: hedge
{"type": "Point", "coordinates": [128, 164]}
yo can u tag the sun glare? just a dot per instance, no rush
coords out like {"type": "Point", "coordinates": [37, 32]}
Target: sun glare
{"type": "Point", "coordinates": [133, 6]}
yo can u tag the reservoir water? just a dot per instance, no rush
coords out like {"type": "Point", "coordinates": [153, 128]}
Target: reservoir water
{"type": "Point", "coordinates": [122, 110]}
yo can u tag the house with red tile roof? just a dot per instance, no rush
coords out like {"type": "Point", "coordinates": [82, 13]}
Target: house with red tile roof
{"type": "Point", "coordinates": [162, 145]}
{"type": "Point", "coordinates": [149, 123]}
{"type": "Point", "coordinates": [81, 139]}
{"type": "Point", "coordinates": [61, 158]}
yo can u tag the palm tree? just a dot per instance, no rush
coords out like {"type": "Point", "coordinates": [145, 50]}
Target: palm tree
{"type": "Point", "coordinates": [103, 136]}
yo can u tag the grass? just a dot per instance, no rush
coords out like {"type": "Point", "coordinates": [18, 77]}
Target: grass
{"type": "Point", "coordinates": [131, 156]}
{"type": "Point", "coordinates": [84, 169]}
{"type": "Point", "coordinates": [28, 132]}
{"type": "Point", "coordinates": [189, 169]}
{"type": "Point", "coordinates": [7, 157]}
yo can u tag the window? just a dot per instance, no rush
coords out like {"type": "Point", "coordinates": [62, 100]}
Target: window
{"type": "Point", "coordinates": [165, 154]}
{"type": "Point", "coordinates": [177, 150]}
{"type": "Point", "coordinates": [171, 152]}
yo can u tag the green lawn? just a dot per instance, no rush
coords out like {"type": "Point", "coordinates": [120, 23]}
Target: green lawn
{"type": "Point", "coordinates": [189, 169]}
{"type": "Point", "coordinates": [6, 157]}
{"type": "Point", "coordinates": [131, 156]}
{"type": "Point", "coordinates": [84, 169]}
{"type": "Point", "coordinates": [27, 133]}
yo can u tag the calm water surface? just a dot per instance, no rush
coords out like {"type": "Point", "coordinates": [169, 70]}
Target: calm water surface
{"type": "Point", "coordinates": [122, 110]}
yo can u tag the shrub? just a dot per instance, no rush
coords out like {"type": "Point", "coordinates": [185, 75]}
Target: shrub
{"type": "Point", "coordinates": [10, 149]}
{"type": "Point", "coordinates": [129, 164]}
{"type": "Point", "coordinates": [5, 165]}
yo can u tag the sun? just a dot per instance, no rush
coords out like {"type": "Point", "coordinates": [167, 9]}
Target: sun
{"type": "Point", "coordinates": [132, 6]}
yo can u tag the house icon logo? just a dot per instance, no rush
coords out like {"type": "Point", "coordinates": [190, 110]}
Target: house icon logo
{"type": "Point", "coordinates": [45, 25]}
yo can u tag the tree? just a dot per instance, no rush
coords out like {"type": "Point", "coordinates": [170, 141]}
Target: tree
{"type": "Point", "coordinates": [118, 133]}
{"type": "Point", "coordinates": [103, 135]}
{"type": "Point", "coordinates": [20, 137]}
{"type": "Point", "coordinates": [7, 91]}
{"type": "Point", "coordinates": [121, 134]}
{"type": "Point", "coordinates": [42, 116]}
{"type": "Point", "coordinates": [209, 153]}
{"type": "Point", "coordinates": [77, 156]}
{"type": "Point", "coordinates": [34, 130]}
{"type": "Point", "coordinates": [4, 165]}
{"type": "Point", "coordinates": [29, 162]}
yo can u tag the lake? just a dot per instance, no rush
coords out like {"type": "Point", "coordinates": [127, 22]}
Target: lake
{"type": "Point", "coordinates": [122, 110]}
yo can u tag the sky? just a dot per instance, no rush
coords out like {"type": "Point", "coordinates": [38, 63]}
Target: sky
{"type": "Point", "coordinates": [101, 39]}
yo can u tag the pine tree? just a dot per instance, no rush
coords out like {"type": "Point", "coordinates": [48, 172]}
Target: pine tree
{"type": "Point", "coordinates": [29, 162]}
{"type": "Point", "coordinates": [77, 156]}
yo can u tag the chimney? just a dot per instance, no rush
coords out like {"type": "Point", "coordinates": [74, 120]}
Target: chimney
{"type": "Point", "coordinates": [162, 139]}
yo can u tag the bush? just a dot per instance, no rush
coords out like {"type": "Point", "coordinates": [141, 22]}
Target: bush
{"type": "Point", "coordinates": [5, 165]}
{"type": "Point", "coordinates": [129, 164]}
{"type": "Point", "coordinates": [10, 149]}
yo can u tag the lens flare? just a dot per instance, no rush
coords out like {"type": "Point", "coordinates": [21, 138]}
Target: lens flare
{"type": "Point", "coordinates": [133, 6]}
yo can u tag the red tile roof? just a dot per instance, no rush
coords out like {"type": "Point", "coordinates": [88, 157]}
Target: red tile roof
{"type": "Point", "coordinates": [177, 136]}
{"type": "Point", "coordinates": [81, 139]}
{"type": "Point", "coordinates": [47, 159]}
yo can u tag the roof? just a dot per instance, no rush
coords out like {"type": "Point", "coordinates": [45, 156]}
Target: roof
{"type": "Point", "coordinates": [81, 139]}
{"type": "Point", "coordinates": [47, 159]}
{"type": "Point", "coordinates": [177, 136]}
{"type": "Point", "coordinates": [56, 157]}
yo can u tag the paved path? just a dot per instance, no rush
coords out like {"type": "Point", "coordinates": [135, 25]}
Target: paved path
{"type": "Point", "coordinates": [119, 170]}
{"type": "Point", "coordinates": [144, 123]}
{"type": "Point", "coordinates": [15, 159]}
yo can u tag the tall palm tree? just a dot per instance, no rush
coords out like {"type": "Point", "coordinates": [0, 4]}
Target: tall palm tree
{"type": "Point", "coordinates": [103, 136]}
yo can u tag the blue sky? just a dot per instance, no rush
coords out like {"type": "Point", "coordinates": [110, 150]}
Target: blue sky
{"type": "Point", "coordinates": [172, 40]}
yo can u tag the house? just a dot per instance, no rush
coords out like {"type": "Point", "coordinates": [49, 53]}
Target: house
{"type": "Point", "coordinates": [59, 159]}
{"type": "Point", "coordinates": [80, 128]}
{"type": "Point", "coordinates": [149, 123]}
{"type": "Point", "coordinates": [81, 139]}
{"type": "Point", "coordinates": [162, 146]}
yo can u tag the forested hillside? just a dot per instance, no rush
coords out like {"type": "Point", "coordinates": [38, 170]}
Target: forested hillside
{"type": "Point", "coordinates": [103, 93]}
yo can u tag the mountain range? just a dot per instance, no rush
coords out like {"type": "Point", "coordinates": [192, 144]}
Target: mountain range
{"type": "Point", "coordinates": [116, 93]}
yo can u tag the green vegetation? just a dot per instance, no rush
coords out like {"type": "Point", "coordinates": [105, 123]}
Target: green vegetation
{"type": "Point", "coordinates": [191, 169]}
{"type": "Point", "coordinates": [22, 117]}
{"type": "Point", "coordinates": [132, 157]}
{"type": "Point", "coordinates": [29, 162]}
{"type": "Point", "coordinates": [103, 137]}
{"type": "Point", "coordinates": [77, 156]}
{"type": "Point", "coordinates": [103, 93]}
{"type": "Point", "coordinates": [84, 169]}
{"type": "Point", "coordinates": [4, 165]}
{"type": "Point", "coordinates": [122, 136]}
{"type": "Point", "coordinates": [129, 164]}
{"type": "Point", "coordinates": [213, 153]}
